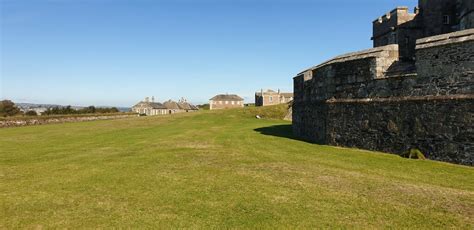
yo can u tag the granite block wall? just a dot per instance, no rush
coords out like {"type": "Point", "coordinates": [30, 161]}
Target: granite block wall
{"type": "Point", "coordinates": [355, 101]}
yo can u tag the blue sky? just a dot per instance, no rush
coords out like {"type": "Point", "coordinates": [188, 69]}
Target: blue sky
{"type": "Point", "coordinates": [116, 52]}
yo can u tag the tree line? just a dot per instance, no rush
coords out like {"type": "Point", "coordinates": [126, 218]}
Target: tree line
{"type": "Point", "coordinates": [69, 110]}
{"type": "Point", "coordinates": [8, 109]}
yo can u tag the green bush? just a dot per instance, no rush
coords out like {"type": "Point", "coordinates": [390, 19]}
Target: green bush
{"type": "Point", "coordinates": [31, 113]}
{"type": "Point", "coordinates": [8, 109]}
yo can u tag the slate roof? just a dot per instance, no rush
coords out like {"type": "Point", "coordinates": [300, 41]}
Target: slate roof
{"type": "Point", "coordinates": [287, 94]}
{"type": "Point", "coordinates": [271, 92]}
{"type": "Point", "coordinates": [153, 105]}
{"type": "Point", "coordinates": [186, 106]}
{"type": "Point", "coordinates": [227, 97]}
{"type": "Point", "coordinates": [171, 104]}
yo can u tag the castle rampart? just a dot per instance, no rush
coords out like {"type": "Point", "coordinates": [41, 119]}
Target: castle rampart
{"type": "Point", "coordinates": [358, 100]}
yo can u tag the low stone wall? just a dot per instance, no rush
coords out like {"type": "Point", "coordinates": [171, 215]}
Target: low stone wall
{"type": "Point", "coordinates": [55, 120]}
{"type": "Point", "coordinates": [347, 102]}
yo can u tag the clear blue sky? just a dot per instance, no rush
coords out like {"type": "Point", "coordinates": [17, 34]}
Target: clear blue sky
{"type": "Point", "coordinates": [116, 52]}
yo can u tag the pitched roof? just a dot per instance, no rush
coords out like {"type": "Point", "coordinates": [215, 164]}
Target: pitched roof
{"type": "Point", "coordinates": [271, 92]}
{"type": "Point", "coordinates": [153, 105]}
{"type": "Point", "coordinates": [171, 104]}
{"type": "Point", "coordinates": [186, 106]}
{"type": "Point", "coordinates": [227, 97]}
{"type": "Point", "coordinates": [268, 91]}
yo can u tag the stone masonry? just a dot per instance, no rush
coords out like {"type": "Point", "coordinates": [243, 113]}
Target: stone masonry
{"type": "Point", "coordinates": [370, 100]}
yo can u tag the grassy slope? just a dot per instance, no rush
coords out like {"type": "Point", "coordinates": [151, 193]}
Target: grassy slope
{"type": "Point", "coordinates": [217, 169]}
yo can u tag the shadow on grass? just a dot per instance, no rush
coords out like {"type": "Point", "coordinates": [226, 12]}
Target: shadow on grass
{"type": "Point", "coordinates": [277, 131]}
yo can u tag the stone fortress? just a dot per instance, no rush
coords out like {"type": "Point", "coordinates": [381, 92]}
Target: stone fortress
{"type": "Point", "coordinates": [414, 90]}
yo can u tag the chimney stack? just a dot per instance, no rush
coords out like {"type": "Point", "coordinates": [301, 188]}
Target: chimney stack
{"type": "Point", "coordinates": [152, 98]}
{"type": "Point", "coordinates": [147, 99]}
{"type": "Point", "coordinates": [417, 10]}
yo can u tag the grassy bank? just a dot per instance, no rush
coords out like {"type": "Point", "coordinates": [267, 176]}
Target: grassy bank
{"type": "Point", "coordinates": [217, 169]}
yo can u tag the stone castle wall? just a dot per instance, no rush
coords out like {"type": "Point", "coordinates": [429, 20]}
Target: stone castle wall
{"type": "Point", "coordinates": [357, 100]}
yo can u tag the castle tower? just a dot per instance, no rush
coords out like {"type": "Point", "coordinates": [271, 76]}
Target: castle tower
{"type": "Point", "coordinates": [465, 10]}
{"type": "Point", "coordinates": [438, 16]}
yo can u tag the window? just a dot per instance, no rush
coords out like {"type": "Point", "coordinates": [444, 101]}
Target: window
{"type": "Point", "coordinates": [226, 102]}
{"type": "Point", "coordinates": [394, 38]}
{"type": "Point", "coordinates": [220, 102]}
{"type": "Point", "coordinates": [271, 99]}
{"type": "Point", "coordinates": [232, 102]}
{"type": "Point", "coordinates": [446, 20]}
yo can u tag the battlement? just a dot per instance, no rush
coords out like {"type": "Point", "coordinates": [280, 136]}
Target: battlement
{"type": "Point", "coordinates": [394, 14]}
{"type": "Point", "coordinates": [399, 26]}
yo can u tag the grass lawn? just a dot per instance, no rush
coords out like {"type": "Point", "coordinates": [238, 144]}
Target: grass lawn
{"type": "Point", "coordinates": [221, 169]}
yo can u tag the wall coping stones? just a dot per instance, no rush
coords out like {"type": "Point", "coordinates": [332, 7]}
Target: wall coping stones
{"type": "Point", "coordinates": [378, 52]}
{"type": "Point", "coordinates": [408, 98]}
{"type": "Point", "coordinates": [445, 39]}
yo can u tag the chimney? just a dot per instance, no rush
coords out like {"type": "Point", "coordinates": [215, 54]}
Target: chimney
{"type": "Point", "coordinates": [278, 91]}
{"type": "Point", "coordinates": [417, 10]}
{"type": "Point", "coordinates": [147, 99]}
{"type": "Point", "coordinates": [152, 98]}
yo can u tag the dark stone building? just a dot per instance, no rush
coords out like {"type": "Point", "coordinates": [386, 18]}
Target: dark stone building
{"type": "Point", "coordinates": [413, 90]}
{"type": "Point", "coordinates": [430, 18]}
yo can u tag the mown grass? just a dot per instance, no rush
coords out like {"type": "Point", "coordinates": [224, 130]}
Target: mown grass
{"type": "Point", "coordinates": [217, 169]}
{"type": "Point", "coordinates": [276, 112]}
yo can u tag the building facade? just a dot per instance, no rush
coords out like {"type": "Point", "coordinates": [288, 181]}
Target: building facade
{"type": "Point", "coordinates": [226, 101]}
{"type": "Point", "coordinates": [466, 14]}
{"type": "Point", "coordinates": [430, 18]}
{"type": "Point", "coordinates": [270, 97]}
{"type": "Point", "coordinates": [151, 108]}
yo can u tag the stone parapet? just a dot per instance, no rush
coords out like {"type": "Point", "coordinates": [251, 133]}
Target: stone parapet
{"type": "Point", "coordinates": [445, 39]}
{"type": "Point", "coordinates": [386, 56]}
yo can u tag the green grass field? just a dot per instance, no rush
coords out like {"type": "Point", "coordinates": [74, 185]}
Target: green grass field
{"type": "Point", "coordinates": [222, 169]}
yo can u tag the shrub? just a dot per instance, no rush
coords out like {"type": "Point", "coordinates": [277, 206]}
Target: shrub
{"type": "Point", "coordinates": [31, 113]}
{"type": "Point", "coordinates": [8, 108]}
{"type": "Point", "coordinates": [414, 154]}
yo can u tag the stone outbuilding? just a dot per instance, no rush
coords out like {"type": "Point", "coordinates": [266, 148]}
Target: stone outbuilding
{"type": "Point", "coordinates": [149, 108]}
{"type": "Point", "coordinates": [182, 106]}
{"type": "Point", "coordinates": [226, 101]}
{"type": "Point", "coordinates": [172, 107]}
{"type": "Point", "coordinates": [270, 97]}
{"type": "Point", "coordinates": [186, 106]}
